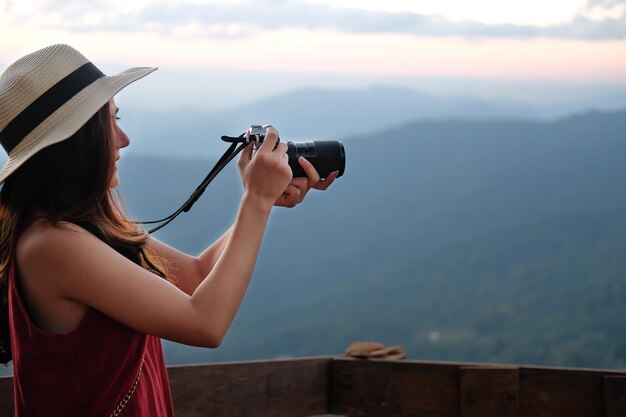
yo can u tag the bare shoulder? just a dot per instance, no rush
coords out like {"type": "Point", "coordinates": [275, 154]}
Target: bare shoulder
{"type": "Point", "coordinates": [43, 240]}
{"type": "Point", "coordinates": [50, 256]}
{"type": "Point", "coordinates": [47, 257]}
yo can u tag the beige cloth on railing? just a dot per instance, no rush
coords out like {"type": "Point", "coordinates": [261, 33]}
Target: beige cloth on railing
{"type": "Point", "coordinates": [375, 350]}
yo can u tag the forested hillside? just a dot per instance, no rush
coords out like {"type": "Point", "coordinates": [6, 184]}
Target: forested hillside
{"type": "Point", "coordinates": [461, 240]}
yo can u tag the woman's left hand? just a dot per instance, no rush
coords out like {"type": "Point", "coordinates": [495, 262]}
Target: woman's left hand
{"type": "Point", "coordinates": [300, 186]}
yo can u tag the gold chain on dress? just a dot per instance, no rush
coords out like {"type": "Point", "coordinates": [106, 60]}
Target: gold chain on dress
{"type": "Point", "coordinates": [129, 394]}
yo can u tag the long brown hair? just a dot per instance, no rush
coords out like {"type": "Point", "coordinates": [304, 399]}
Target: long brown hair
{"type": "Point", "coordinates": [69, 181]}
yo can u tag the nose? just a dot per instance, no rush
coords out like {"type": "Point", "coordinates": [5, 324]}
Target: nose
{"type": "Point", "coordinates": [121, 139]}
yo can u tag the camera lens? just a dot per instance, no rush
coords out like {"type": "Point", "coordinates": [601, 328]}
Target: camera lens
{"type": "Point", "coordinates": [326, 157]}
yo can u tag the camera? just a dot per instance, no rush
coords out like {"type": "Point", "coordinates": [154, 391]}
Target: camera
{"type": "Point", "coordinates": [325, 155]}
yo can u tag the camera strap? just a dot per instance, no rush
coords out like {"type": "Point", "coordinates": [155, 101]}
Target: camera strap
{"type": "Point", "coordinates": [228, 156]}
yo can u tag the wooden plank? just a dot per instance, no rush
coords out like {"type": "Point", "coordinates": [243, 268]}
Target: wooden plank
{"type": "Point", "coordinates": [300, 387]}
{"type": "Point", "coordinates": [280, 388]}
{"type": "Point", "coordinates": [561, 392]}
{"type": "Point", "coordinates": [615, 396]}
{"type": "Point", "coordinates": [489, 391]}
{"type": "Point", "coordinates": [394, 388]}
{"type": "Point", "coordinates": [7, 405]}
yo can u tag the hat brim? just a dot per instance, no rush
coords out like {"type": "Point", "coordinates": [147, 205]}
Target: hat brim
{"type": "Point", "coordinates": [70, 117]}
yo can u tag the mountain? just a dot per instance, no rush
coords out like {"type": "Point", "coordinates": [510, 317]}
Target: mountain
{"type": "Point", "coordinates": [306, 114]}
{"type": "Point", "coordinates": [551, 292]}
{"type": "Point", "coordinates": [494, 206]}
{"type": "Point", "coordinates": [321, 114]}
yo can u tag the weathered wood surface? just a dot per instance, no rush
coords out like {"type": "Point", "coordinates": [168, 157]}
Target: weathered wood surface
{"type": "Point", "coordinates": [442, 389]}
{"type": "Point", "coordinates": [280, 388]}
{"type": "Point", "coordinates": [489, 391]}
{"type": "Point", "coordinates": [394, 388]}
{"type": "Point", "coordinates": [561, 393]}
{"type": "Point", "coordinates": [615, 396]}
{"type": "Point", "coordinates": [383, 388]}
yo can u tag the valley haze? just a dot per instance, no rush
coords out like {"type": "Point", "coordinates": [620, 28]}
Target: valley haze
{"type": "Point", "coordinates": [316, 113]}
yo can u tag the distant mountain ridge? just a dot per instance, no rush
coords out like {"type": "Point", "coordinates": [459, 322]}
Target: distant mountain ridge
{"type": "Point", "coordinates": [322, 114]}
{"type": "Point", "coordinates": [312, 114]}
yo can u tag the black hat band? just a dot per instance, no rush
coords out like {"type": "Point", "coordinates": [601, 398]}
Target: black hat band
{"type": "Point", "coordinates": [46, 104]}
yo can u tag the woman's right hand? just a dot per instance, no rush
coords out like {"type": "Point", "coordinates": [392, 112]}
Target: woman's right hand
{"type": "Point", "coordinates": [266, 175]}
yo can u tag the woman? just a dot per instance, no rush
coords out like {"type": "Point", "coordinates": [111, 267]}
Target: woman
{"type": "Point", "coordinates": [85, 293]}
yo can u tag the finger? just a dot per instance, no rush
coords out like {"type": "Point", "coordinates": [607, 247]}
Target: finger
{"type": "Point", "coordinates": [310, 171]}
{"type": "Point", "coordinates": [300, 183]}
{"type": "Point", "coordinates": [281, 149]}
{"type": "Point", "coordinates": [246, 154]}
{"type": "Point", "coordinates": [289, 198]}
{"type": "Point", "coordinates": [270, 140]}
{"type": "Point", "coordinates": [323, 185]}
{"type": "Point", "coordinates": [244, 158]}
{"type": "Point", "coordinates": [293, 192]}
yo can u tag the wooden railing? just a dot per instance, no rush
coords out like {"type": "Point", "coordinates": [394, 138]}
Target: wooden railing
{"type": "Point", "coordinates": [344, 386]}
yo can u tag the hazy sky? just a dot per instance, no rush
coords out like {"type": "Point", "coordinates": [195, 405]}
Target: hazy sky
{"type": "Point", "coordinates": [580, 41]}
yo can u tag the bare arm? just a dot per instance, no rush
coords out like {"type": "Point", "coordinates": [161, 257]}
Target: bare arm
{"type": "Point", "coordinates": [188, 271]}
{"type": "Point", "coordinates": [69, 265]}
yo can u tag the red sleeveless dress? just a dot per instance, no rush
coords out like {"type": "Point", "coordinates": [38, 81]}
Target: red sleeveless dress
{"type": "Point", "coordinates": [87, 372]}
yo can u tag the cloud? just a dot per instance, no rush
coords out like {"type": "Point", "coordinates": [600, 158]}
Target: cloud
{"type": "Point", "coordinates": [605, 3]}
{"type": "Point", "coordinates": [598, 20]}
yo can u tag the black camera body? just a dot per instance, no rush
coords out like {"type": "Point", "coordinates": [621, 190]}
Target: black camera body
{"type": "Point", "coordinates": [325, 155]}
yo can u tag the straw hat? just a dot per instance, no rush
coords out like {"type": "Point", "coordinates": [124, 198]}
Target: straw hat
{"type": "Point", "coordinates": [46, 96]}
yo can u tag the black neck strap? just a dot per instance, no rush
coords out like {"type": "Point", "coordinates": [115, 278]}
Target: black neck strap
{"type": "Point", "coordinates": [46, 104]}
{"type": "Point", "coordinates": [230, 153]}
